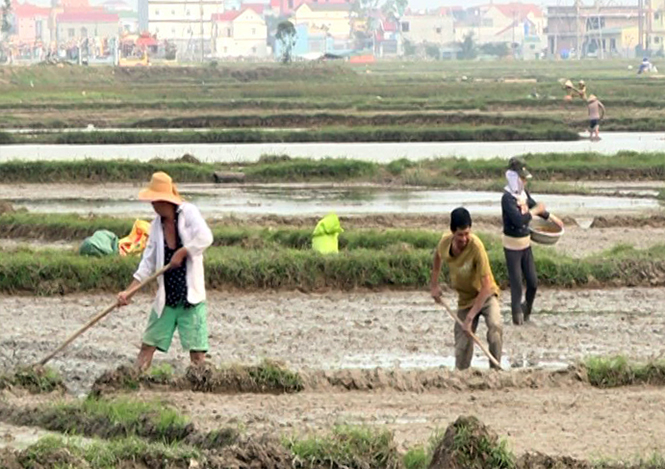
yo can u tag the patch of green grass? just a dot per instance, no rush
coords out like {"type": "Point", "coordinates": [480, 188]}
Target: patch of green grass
{"type": "Point", "coordinates": [6, 138]}
{"type": "Point", "coordinates": [95, 171]}
{"type": "Point", "coordinates": [49, 272]}
{"type": "Point", "coordinates": [354, 134]}
{"type": "Point", "coordinates": [121, 417]}
{"type": "Point", "coordinates": [304, 169]}
{"type": "Point", "coordinates": [272, 375]}
{"type": "Point", "coordinates": [36, 379]}
{"type": "Point", "coordinates": [55, 451]}
{"type": "Point", "coordinates": [478, 450]}
{"type": "Point", "coordinates": [417, 458]}
{"type": "Point", "coordinates": [654, 461]}
{"type": "Point", "coordinates": [452, 173]}
{"type": "Point", "coordinates": [162, 373]}
{"type": "Point", "coordinates": [619, 371]}
{"type": "Point", "coordinates": [346, 447]}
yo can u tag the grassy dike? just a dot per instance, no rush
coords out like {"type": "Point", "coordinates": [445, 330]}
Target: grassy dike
{"type": "Point", "coordinates": [51, 272]}
{"type": "Point", "coordinates": [439, 172]}
{"type": "Point", "coordinates": [336, 135]}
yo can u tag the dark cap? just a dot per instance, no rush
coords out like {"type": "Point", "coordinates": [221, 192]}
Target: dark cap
{"type": "Point", "coordinates": [516, 164]}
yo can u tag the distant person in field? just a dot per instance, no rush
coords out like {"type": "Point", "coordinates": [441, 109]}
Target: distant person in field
{"type": "Point", "coordinates": [646, 67]}
{"type": "Point", "coordinates": [471, 276]}
{"type": "Point", "coordinates": [581, 89]}
{"type": "Point", "coordinates": [596, 114]}
{"type": "Point", "coordinates": [517, 209]}
{"type": "Point", "coordinates": [178, 235]}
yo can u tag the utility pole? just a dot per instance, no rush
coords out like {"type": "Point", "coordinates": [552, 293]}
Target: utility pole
{"type": "Point", "coordinates": [202, 35]}
{"type": "Point", "coordinates": [640, 24]}
{"type": "Point", "coordinates": [512, 45]}
{"type": "Point", "coordinates": [577, 30]}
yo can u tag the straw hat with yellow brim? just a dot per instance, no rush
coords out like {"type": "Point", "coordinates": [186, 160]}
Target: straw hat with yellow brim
{"type": "Point", "coordinates": [161, 189]}
{"type": "Point", "coordinates": [592, 98]}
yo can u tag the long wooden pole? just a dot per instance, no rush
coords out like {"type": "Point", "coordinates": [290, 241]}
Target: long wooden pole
{"type": "Point", "coordinates": [101, 315]}
{"type": "Point", "coordinates": [473, 336]}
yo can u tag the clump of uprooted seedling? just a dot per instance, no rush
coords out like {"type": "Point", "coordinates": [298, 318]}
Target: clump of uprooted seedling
{"type": "Point", "coordinates": [468, 444]}
{"type": "Point", "coordinates": [120, 418]}
{"type": "Point", "coordinates": [36, 379]}
{"type": "Point", "coordinates": [266, 377]}
{"type": "Point", "coordinates": [619, 371]}
{"type": "Point", "coordinates": [347, 447]}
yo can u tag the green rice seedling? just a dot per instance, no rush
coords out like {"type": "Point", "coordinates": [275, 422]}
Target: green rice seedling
{"type": "Point", "coordinates": [347, 447]}
{"type": "Point", "coordinates": [38, 379]}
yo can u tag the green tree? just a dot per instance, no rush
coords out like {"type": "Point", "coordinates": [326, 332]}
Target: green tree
{"type": "Point", "coordinates": [286, 36]}
{"type": "Point", "coordinates": [498, 49]}
{"type": "Point", "coordinates": [433, 51]}
{"type": "Point", "coordinates": [467, 48]}
{"type": "Point", "coordinates": [409, 48]}
{"type": "Point", "coordinates": [394, 8]}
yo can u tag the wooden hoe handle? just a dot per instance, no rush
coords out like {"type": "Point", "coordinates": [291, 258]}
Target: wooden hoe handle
{"type": "Point", "coordinates": [101, 315]}
{"type": "Point", "coordinates": [473, 336]}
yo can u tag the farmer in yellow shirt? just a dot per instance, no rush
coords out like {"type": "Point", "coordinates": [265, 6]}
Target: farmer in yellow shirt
{"type": "Point", "coordinates": [471, 276]}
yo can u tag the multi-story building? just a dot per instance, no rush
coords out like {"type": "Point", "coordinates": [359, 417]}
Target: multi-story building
{"type": "Point", "coordinates": [32, 24]}
{"type": "Point", "coordinates": [77, 25]}
{"type": "Point", "coordinates": [431, 28]}
{"type": "Point", "coordinates": [510, 23]}
{"type": "Point", "coordinates": [288, 7]}
{"type": "Point", "coordinates": [240, 33]}
{"type": "Point", "coordinates": [332, 20]}
{"type": "Point", "coordinates": [187, 23]}
{"type": "Point", "coordinates": [600, 30]}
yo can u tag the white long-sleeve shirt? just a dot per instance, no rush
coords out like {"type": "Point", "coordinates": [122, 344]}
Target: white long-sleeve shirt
{"type": "Point", "coordinates": [196, 237]}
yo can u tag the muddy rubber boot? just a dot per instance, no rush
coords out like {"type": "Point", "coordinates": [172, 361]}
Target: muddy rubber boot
{"type": "Point", "coordinates": [526, 311]}
{"type": "Point", "coordinates": [518, 319]}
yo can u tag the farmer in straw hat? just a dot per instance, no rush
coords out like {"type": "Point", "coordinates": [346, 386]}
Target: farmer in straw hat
{"type": "Point", "coordinates": [178, 235]}
{"type": "Point", "coordinates": [471, 276]}
{"type": "Point", "coordinates": [596, 114]}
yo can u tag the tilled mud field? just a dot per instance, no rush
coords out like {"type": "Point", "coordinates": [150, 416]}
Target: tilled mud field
{"type": "Point", "coordinates": [325, 334]}
{"type": "Point", "coordinates": [585, 423]}
{"type": "Point", "coordinates": [335, 330]}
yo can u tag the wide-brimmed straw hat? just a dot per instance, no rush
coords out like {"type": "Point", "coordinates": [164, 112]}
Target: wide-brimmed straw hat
{"type": "Point", "coordinates": [592, 98]}
{"type": "Point", "coordinates": [161, 189]}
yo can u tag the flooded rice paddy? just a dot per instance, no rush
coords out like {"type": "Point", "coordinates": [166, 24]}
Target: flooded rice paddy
{"type": "Point", "coordinates": [611, 143]}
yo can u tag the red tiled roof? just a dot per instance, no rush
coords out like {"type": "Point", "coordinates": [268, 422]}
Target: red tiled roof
{"type": "Point", "coordinates": [257, 7]}
{"type": "Point", "coordinates": [227, 15]}
{"type": "Point", "coordinates": [522, 10]}
{"type": "Point", "coordinates": [328, 6]}
{"type": "Point", "coordinates": [87, 17]}
{"type": "Point", "coordinates": [29, 10]}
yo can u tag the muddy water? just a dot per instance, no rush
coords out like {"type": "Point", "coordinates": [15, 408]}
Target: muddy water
{"type": "Point", "coordinates": [19, 438]}
{"type": "Point", "coordinates": [302, 200]}
{"type": "Point", "coordinates": [335, 330]}
{"type": "Point", "coordinates": [380, 152]}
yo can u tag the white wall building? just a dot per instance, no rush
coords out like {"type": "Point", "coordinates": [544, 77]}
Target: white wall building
{"type": "Point", "coordinates": [240, 34]}
{"type": "Point", "coordinates": [188, 23]}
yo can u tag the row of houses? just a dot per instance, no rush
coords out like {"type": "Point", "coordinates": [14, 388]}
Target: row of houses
{"type": "Point", "coordinates": [236, 28]}
{"type": "Point", "coordinates": [70, 19]}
